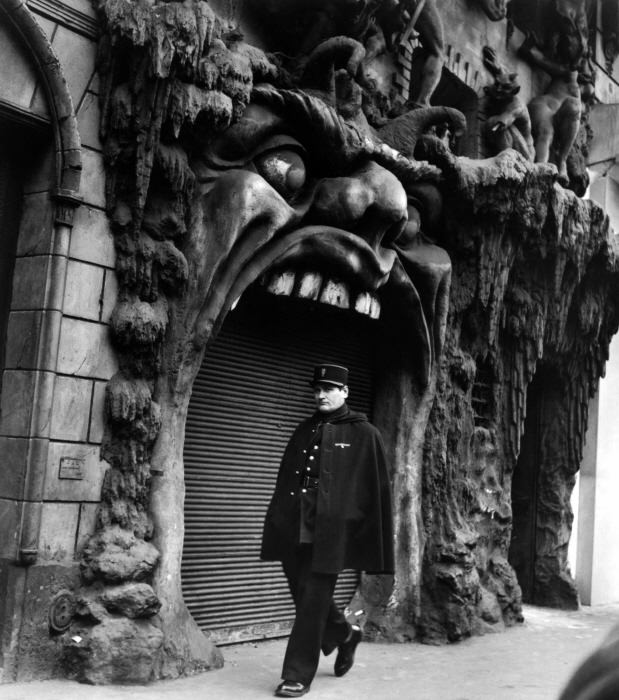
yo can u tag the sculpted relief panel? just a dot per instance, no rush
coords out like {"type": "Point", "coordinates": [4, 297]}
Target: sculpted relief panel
{"type": "Point", "coordinates": [226, 162]}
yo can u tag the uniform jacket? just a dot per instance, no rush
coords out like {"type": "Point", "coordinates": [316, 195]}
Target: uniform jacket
{"type": "Point", "coordinates": [354, 527]}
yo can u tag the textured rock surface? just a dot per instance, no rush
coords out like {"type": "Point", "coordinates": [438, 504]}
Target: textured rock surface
{"type": "Point", "coordinates": [117, 650]}
{"type": "Point", "coordinates": [116, 555]}
{"type": "Point", "coordinates": [534, 293]}
{"type": "Point", "coordinates": [131, 600]}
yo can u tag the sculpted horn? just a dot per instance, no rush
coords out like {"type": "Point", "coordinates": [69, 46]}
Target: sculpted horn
{"type": "Point", "coordinates": [403, 132]}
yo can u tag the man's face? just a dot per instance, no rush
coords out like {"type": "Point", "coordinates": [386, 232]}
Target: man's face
{"type": "Point", "coordinates": [329, 397]}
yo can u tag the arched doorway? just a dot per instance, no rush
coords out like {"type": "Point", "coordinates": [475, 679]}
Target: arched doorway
{"type": "Point", "coordinates": [21, 141]}
{"type": "Point", "coordinates": [541, 488]}
{"type": "Point", "coordinates": [525, 493]}
{"type": "Point", "coordinates": [40, 170]}
{"type": "Point", "coordinates": [250, 393]}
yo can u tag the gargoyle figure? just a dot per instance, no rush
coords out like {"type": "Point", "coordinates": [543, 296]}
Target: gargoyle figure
{"type": "Point", "coordinates": [563, 53]}
{"type": "Point", "coordinates": [508, 124]}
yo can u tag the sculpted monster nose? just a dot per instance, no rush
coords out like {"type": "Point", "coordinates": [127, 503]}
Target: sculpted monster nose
{"type": "Point", "coordinates": [370, 202]}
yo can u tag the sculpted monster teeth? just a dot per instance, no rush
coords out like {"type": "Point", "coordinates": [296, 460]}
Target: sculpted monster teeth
{"type": "Point", "coordinates": [315, 286]}
{"type": "Point", "coordinates": [278, 263]}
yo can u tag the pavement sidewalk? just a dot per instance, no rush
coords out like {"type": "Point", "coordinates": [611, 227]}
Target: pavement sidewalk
{"type": "Point", "coordinates": [530, 662]}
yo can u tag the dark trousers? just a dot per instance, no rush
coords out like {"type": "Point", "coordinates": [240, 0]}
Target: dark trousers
{"type": "Point", "coordinates": [318, 623]}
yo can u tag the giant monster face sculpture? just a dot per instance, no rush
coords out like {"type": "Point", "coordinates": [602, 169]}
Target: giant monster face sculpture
{"type": "Point", "coordinates": [292, 187]}
{"type": "Point", "coordinates": [299, 186]}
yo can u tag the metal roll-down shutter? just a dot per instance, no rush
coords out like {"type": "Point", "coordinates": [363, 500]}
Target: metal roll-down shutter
{"type": "Point", "coordinates": [249, 395]}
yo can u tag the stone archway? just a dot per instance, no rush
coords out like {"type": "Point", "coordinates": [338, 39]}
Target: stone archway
{"type": "Point", "coordinates": [216, 187]}
{"type": "Point", "coordinates": [251, 392]}
{"type": "Point", "coordinates": [62, 115]}
{"type": "Point", "coordinates": [64, 190]}
{"type": "Point", "coordinates": [53, 130]}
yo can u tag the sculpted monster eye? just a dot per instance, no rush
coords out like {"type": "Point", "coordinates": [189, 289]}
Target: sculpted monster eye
{"type": "Point", "coordinates": [283, 169]}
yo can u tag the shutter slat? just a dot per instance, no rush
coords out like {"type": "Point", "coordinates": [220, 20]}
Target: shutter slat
{"type": "Point", "coordinates": [251, 392]}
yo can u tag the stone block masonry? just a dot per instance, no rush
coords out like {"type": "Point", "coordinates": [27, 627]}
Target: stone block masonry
{"type": "Point", "coordinates": [58, 355]}
{"type": "Point", "coordinates": [85, 350]}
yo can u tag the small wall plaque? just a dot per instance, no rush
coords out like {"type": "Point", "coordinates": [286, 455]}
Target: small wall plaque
{"type": "Point", "coordinates": [71, 468]}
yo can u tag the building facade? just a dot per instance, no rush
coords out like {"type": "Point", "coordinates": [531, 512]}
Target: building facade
{"type": "Point", "coordinates": [199, 201]}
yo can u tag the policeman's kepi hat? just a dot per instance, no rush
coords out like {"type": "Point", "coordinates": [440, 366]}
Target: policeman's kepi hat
{"type": "Point", "coordinates": [330, 374]}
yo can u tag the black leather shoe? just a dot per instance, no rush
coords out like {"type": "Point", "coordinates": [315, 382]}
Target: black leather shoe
{"type": "Point", "coordinates": [291, 689]}
{"type": "Point", "coordinates": [346, 652]}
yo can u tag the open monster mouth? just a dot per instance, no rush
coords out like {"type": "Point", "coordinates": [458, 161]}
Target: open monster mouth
{"type": "Point", "coordinates": [340, 269]}
{"type": "Point", "coordinates": [304, 224]}
{"type": "Point", "coordinates": [330, 266]}
{"type": "Point", "coordinates": [381, 268]}
{"type": "Point", "coordinates": [318, 263]}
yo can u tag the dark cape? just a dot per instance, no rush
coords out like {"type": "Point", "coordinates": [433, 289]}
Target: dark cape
{"type": "Point", "coordinates": [354, 528]}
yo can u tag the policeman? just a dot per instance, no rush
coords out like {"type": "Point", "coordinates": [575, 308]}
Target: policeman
{"type": "Point", "coordinates": [331, 510]}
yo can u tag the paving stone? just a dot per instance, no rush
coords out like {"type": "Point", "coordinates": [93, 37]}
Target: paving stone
{"type": "Point", "coordinates": [529, 662]}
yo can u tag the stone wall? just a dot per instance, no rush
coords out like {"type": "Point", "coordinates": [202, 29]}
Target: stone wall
{"type": "Point", "coordinates": [525, 306]}
{"type": "Point", "coordinates": [58, 354]}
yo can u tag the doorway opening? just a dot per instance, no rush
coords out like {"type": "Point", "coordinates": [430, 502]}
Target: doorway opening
{"type": "Point", "coordinates": [525, 493]}
{"type": "Point", "coordinates": [21, 143]}
{"type": "Point", "coordinates": [251, 392]}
